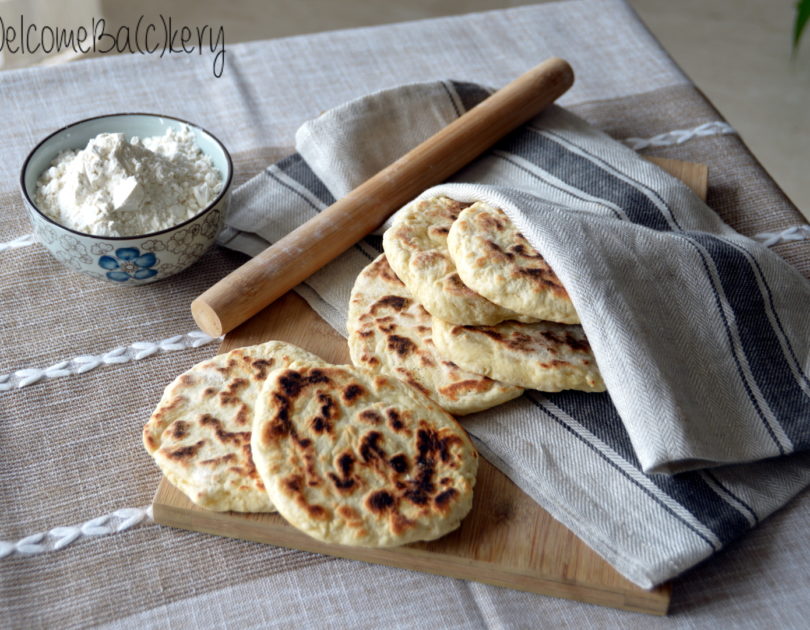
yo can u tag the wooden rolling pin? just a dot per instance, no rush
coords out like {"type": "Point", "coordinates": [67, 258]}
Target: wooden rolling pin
{"type": "Point", "coordinates": [286, 263]}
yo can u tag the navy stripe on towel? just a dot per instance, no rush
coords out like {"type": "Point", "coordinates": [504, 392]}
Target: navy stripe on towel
{"type": "Point", "coordinates": [469, 94]}
{"type": "Point", "coordinates": [596, 413]}
{"type": "Point", "coordinates": [583, 174]}
{"type": "Point", "coordinates": [375, 242]}
{"type": "Point", "coordinates": [769, 366]}
{"type": "Point", "coordinates": [296, 168]}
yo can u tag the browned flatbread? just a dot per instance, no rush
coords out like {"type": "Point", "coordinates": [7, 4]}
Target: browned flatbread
{"type": "Point", "coordinates": [494, 259]}
{"type": "Point", "coordinates": [354, 457]}
{"type": "Point", "coordinates": [545, 356]}
{"type": "Point", "coordinates": [416, 248]}
{"type": "Point", "coordinates": [389, 329]}
{"type": "Point", "coordinates": [199, 434]}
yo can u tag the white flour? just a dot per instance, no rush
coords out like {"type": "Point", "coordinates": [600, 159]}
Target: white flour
{"type": "Point", "coordinates": [117, 188]}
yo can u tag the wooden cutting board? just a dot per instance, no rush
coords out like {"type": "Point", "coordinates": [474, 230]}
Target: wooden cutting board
{"type": "Point", "coordinates": [507, 539]}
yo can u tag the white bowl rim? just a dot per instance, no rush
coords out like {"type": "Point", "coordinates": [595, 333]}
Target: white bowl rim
{"type": "Point", "coordinates": [226, 185]}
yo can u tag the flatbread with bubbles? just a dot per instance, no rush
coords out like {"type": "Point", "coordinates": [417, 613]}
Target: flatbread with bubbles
{"type": "Point", "coordinates": [354, 457]}
{"type": "Point", "coordinates": [199, 434]}
{"type": "Point", "coordinates": [495, 260]}
{"type": "Point", "coordinates": [389, 329]}
{"type": "Point", "coordinates": [416, 249]}
{"type": "Point", "coordinates": [546, 356]}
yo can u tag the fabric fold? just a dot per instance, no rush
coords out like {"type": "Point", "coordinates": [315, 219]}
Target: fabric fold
{"type": "Point", "coordinates": [697, 330]}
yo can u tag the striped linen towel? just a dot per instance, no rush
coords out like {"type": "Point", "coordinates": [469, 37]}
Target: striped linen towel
{"type": "Point", "coordinates": [701, 334]}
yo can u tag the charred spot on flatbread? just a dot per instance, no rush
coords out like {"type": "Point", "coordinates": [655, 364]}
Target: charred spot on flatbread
{"type": "Point", "coordinates": [200, 431]}
{"type": "Point", "coordinates": [546, 356]}
{"type": "Point", "coordinates": [495, 260]}
{"type": "Point", "coordinates": [375, 472]}
{"type": "Point", "coordinates": [389, 329]}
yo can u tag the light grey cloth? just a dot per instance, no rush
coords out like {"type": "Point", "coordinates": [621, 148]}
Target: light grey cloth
{"type": "Point", "coordinates": [698, 331]}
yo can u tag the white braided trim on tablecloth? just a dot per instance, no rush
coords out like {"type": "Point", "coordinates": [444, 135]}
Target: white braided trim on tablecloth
{"type": "Point", "coordinates": [20, 241]}
{"type": "Point", "coordinates": [60, 537]}
{"type": "Point", "coordinates": [679, 136]}
{"type": "Point", "coordinates": [795, 233]}
{"type": "Point", "coordinates": [86, 362]}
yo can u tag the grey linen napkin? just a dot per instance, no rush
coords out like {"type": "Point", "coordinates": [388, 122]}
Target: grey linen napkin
{"type": "Point", "coordinates": [700, 334]}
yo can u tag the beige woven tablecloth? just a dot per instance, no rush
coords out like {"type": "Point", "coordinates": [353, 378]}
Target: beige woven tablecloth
{"type": "Point", "coordinates": [71, 444]}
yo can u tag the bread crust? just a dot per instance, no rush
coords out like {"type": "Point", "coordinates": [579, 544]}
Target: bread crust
{"type": "Point", "coordinates": [416, 249]}
{"type": "Point", "coordinates": [494, 259]}
{"type": "Point", "coordinates": [389, 329]}
{"type": "Point", "coordinates": [354, 457]}
{"type": "Point", "coordinates": [545, 356]}
{"type": "Point", "coordinates": [199, 434]}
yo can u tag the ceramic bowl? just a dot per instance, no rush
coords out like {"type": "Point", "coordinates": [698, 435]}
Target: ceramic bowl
{"type": "Point", "coordinates": [130, 260]}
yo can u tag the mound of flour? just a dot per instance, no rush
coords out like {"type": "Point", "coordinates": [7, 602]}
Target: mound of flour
{"type": "Point", "coordinates": [115, 187]}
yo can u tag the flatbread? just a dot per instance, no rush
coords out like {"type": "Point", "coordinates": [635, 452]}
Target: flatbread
{"type": "Point", "coordinates": [546, 356]}
{"type": "Point", "coordinates": [389, 329]}
{"type": "Point", "coordinates": [416, 248]}
{"type": "Point", "coordinates": [495, 260]}
{"type": "Point", "coordinates": [199, 434]}
{"type": "Point", "coordinates": [353, 457]}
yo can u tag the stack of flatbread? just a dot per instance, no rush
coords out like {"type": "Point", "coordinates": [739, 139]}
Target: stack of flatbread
{"type": "Point", "coordinates": [346, 454]}
{"type": "Point", "coordinates": [460, 314]}
{"type": "Point", "coordinates": [464, 309]}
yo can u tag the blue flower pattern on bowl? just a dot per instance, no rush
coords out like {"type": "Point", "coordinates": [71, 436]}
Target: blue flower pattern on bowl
{"type": "Point", "coordinates": [129, 263]}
